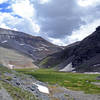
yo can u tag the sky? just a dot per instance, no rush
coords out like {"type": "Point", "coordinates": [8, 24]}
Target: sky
{"type": "Point", "coordinates": [59, 21]}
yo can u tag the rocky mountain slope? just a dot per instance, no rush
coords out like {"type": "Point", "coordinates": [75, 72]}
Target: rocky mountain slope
{"type": "Point", "coordinates": [21, 49]}
{"type": "Point", "coordinates": [34, 46]}
{"type": "Point", "coordinates": [82, 57]}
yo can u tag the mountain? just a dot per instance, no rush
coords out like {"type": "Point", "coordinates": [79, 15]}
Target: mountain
{"type": "Point", "coordinates": [83, 56]}
{"type": "Point", "coordinates": [31, 47]}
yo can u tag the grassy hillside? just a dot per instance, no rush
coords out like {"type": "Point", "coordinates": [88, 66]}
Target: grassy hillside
{"type": "Point", "coordinates": [73, 81]}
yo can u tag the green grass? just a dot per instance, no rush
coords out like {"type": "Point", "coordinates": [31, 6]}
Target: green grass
{"type": "Point", "coordinates": [4, 69]}
{"type": "Point", "coordinates": [73, 81]}
{"type": "Point", "coordinates": [44, 61]}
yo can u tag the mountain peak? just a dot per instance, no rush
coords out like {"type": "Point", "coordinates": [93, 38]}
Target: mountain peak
{"type": "Point", "coordinates": [98, 28]}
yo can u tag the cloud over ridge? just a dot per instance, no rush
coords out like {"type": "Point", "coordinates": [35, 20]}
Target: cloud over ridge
{"type": "Point", "coordinates": [59, 21]}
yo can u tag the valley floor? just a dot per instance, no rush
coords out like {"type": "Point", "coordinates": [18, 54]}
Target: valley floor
{"type": "Point", "coordinates": [47, 84]}
{"type": "Point", "coordinates": [67, 86]}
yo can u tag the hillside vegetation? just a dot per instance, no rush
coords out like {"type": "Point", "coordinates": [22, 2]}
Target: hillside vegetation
{"type": "Point", "coordinates": [73, 81]}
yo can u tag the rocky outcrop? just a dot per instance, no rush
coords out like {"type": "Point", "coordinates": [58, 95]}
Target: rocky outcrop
{"type": "Point", "coordinates": [87, 53]}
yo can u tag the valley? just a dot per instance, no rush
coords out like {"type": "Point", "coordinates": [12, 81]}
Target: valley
{"type": "Point", "coordinates": [31, 68]}
{"type": "Point", "coordinates": [47, 84]}
{"type": "Point", "coordinates": [49, 49]}
{"type": "Point", "coordinates": [72, 81]}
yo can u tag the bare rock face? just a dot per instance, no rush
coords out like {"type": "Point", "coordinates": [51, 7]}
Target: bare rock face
{"type": "Point", "coordinates": [87, 53]}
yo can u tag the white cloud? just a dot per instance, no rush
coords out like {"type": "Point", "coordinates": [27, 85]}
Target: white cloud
{"type": "Point", "coordinates": [0, 8]}
{"type": "Point", "coordinates": [57, 41]}
{"type": "Point", "coordinates": [26, 21]}
{"type": "Point", "coordinates": [3, 1]}
{"type": "Point", "coordinates": [5, 21]}
{"type": "Point", "coordinates": [23, 8]}
{"type": "Point", "coordinates": [8, 21]}
{"type": "Point", "coordinates": [83, 31]}
{"type": "Point", "coordinates": [86, 3]}
{"type": "Point", "coordinates": [26, 10]}
{"type": "Point", "coordinates": [3, 25]}
{"type": "Point", "coordinates": [43, 1]}
{"type": "Point", "coordinates": [35, 26]}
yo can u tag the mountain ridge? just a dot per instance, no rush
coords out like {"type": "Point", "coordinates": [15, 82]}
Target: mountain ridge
{"type": "Point", "coordinates": [36, 42]}
{"type": "Point", "coordinates": [84, 56]}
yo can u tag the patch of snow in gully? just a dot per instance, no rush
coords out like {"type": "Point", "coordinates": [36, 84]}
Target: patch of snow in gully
{"type": "Point", "coordinates": [22, 44]}
{"type": "Point", "coordinates": [67, 68]}
{"type": "Point", "coordinates": [4, 41]}
{"type": "Point", "coordinates": [42, 88]}
{"type": "Point", "coordinates": [11, 66]}
{"type": "Point", "coordinates": [91, 72]}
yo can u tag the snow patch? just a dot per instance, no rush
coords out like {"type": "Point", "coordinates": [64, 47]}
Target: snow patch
{"type": "Point", "coordinates": [96, 65]}
{"type": "Point", "coordinates": [42, 89]}
{"type": "Point", "coordinates": [44, 45]}
{"type": "Point", "coordinates": [91, 72]}
{"type": "Point", "coordinates": [22, 44]}
{"type": "Point", "coordinates": [42, 48]}
{"type": "Point", "coordinates": [67, 68]}
{"type": "Point", "coordinates": [11, 66]}
{"type": "Point", "coordinates": [4, 41]}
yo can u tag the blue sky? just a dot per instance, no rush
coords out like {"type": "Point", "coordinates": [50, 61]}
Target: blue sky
{"type": "Point", "coordinates": [59, 21]}
{"type": "Point", "coordinates": [4, 7]}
